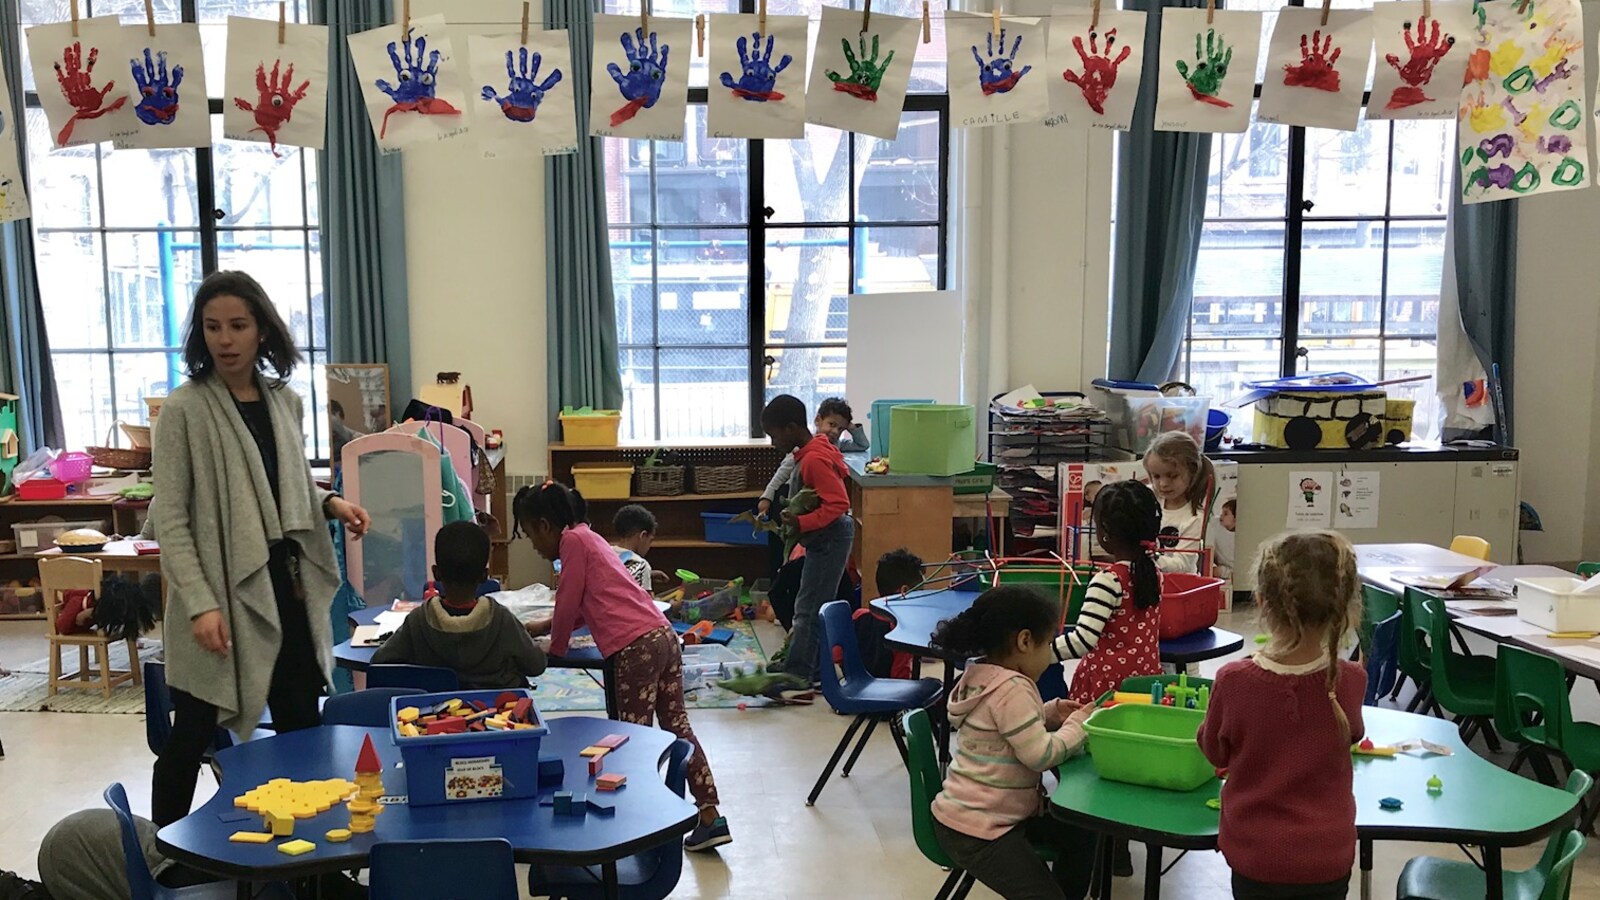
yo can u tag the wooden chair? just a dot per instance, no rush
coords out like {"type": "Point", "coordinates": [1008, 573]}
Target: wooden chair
{"type": "Point", "coordinates": [1470, 545]}
{"type": "Point", "coordinates": [69, 573]}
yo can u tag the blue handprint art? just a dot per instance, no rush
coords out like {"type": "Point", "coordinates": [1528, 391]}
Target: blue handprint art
{"type": "Point", "coordinates": [759, 75]}
{"type": "Point", "coordinates": [647, 73]}
{"type": "Point", "coordinates": [525, 91]}
{"type": "Point", "coordinates": [995, 74]}
{"type": "Point", "coordinates": [158, 91]}
{"type": "Point", "coordinates": [419, 79]}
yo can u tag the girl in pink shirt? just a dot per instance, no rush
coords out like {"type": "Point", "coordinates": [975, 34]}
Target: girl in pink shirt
{"type": "Point", "coordinates": [596, 590]}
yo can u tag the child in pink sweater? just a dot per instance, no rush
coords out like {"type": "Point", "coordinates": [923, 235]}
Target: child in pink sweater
{"type": "Point", "coordinates": [992, 807]}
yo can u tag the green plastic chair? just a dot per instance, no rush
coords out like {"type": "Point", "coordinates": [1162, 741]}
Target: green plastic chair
{"type": "Point", "coordinates": [1463, 683]}
{"type": "Point", "coordinates": [923, 763]}
{"type": "Point", "coordinates": [1414, 658]}
{"type": "Point", "coordinates": [1531, 698]}
{"type": "Point", "coordinates": [1377, 604]}
{"type": "Point", "coordinates": [1431, 878]}
{"type": "Point", "coordinates": [1588, 569]}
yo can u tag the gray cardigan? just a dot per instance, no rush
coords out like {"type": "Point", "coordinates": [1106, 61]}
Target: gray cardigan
{"type": "Point", "coordinates": [214, 518]}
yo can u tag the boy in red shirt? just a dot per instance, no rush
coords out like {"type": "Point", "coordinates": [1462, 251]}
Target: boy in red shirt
{"type": "Point", "coordinates": [827, 534]}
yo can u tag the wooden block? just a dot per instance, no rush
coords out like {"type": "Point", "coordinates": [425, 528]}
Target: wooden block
{"type": "Point", "coordinates": [251, 837]}
{"type": "Point", "coordinates": [612, 741]}
{"type": "Point", "coordinates": [338, 835]}
{"type": "Point", "coordinates": [409, 714]}
{"type": "Point", "coordinates": [601, 808]}
{"type": "Point", "coordinates": [594, 750]}
{"type": "Point", "coordinates": [610, 781]}
{"type": "Point", "coordinates": [296, 848]}
{"type": "Point", "coordinates": [596, 764]}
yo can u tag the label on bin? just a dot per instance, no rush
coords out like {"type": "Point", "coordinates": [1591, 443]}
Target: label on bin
{"type": "Point", "coordinates": [473, 779]}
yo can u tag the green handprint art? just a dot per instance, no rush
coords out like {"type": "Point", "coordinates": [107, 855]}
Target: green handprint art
{"type": "Point", "coordinates": [866, 73]}
{"type": "Point", "coordinates": [1210, 68]}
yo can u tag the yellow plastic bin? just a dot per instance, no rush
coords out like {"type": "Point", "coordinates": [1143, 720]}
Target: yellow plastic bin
{"type": "Point", "coordinates": [602, 480]}
{"type": "Point", "coordinates": [594, 429]}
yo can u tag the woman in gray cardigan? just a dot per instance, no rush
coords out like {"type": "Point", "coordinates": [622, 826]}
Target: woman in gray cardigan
{"type": "Point", "coordinates": [246, 555]}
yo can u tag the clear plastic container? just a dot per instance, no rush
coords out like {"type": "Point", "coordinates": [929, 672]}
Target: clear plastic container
{"type": "Point", "coordinates": [1142, 419]}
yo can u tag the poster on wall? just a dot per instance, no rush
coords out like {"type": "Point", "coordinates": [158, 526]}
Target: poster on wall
{"type": "Point", "coordinates": [637, 89]}
{"type": "Point", "coordinates": [275, 91]}
{"type": "Point", "coordinates": [1356, 500]}
{"type": "Point", "coordinates": [1079, 484]}
{"type": "Point", "coordinates": [761, 89]}
{"type": "Point", "coordinates": [859, 77]}
{"type": "Point", "coordinates": [1206, 74]}
{"type": "Point", "coordinates": [1095, 68]}
{"type": "Point", "coordinates": [1310, 500]}
{"type": "Point", "coordinates": [13, 192]}
{"type": "Point", "coordinates": [1521, 121]}
{"type": "Point", "coordinates": [83, 78]}
{"type": "Point", "coordinates": [1316, 68]}
{"type": "Point", "coordinates": [1422, 58]}
{"type": "Point", "coordinates": [997, 70]}
{"type": "Point", "coordinates": [524, 103]}
{"type": "Point", "coordinates": [168, 84]}
{"type": "Point", "coordinates": [411, 83]}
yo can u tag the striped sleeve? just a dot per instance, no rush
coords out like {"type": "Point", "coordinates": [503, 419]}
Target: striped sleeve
{"type": "Point", "coordinates": [1100, 603]}
{"type": "Point", "coordinates": [1021, 721]}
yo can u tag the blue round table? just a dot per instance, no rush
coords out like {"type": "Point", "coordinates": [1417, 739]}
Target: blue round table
{"type": "Point", "coordinates": [647, 813]}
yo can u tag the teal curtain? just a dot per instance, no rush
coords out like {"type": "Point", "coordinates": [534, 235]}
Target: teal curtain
{"type": "Point", "coordinates": [363, 214]}
{"type": "Point", "coordinates": [25, 368]}
{"type": "Point", "coordinates": [1486, 287]}
{"type": "Point", "coordinates": [1161, 190]}
{"type": "Point", "coordinates": [580, 312]}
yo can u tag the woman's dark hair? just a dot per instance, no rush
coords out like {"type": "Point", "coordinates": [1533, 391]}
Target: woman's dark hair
{"type": "Point", "coordinates": [277, 352]}
{"type": "Point", "coordinates": [1128, 515]}
{"type": "Point", "coordinates": [553, 502]}
{"type": "Point", "coordinates": [990, 625]}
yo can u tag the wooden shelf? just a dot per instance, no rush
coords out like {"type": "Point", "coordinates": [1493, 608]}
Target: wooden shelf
{"type": "Point", "coordinates": [731, 444]}
{"type": "Point", "coordinates": [17, 617]}
{"type": "Point", "coordinates": [69, 501]}
{"type": "Point", "coordinates": [680, 498]}
{"type": "Point", "coordinates": [669, 543]}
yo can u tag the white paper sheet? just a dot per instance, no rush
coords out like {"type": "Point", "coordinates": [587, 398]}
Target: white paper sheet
{"type": "Point", "coordinates": [1421, 59]}
{"type": "Point", "coordinates": [388, 620]}
{"type": "Point", "coordinates": [996, 79]}
{"type": "Point", "coordinates": [83, 81]}
{"type": "Point", "coordinates": [1206, 74]}
{"type": "Point", "coordinates": [1356, 501]}
{"type": "Point", "coordinates": [637, 90]}
{"type": "Point", "coordinates": [411, 84]}
{"type": "Point", "coordinates": [167, 89]}
{"type": "Point", "coordinates": [858, 81]}
{"type": "Point", "coordinates": [758, 81]}
{"type": "Point", "coordinates": [276, 93]}
{"type": "Point", "coordinates": [1310, 505]}
{"type": "Point", "coordinates": [13, 192]}
{"type": "Point", "coordinates": [1316, 72]}
{"type": "Point", "coordinates": [521, 96]}
{"type": "Point", "coordinates": [1094, 73]}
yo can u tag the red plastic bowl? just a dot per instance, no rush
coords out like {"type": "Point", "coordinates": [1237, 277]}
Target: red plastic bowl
{"type": "Point", "coordinates": [1189, 603]}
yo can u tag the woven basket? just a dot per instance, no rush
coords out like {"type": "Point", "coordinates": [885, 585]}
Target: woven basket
{"type": "Point", "coordinates": [660, 481]}
{"type": "Point", "coordinates": [137, 459]}
{"type": "Point", "coordinates": [720, 479]}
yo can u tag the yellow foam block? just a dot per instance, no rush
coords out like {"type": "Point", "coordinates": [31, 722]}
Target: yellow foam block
{"type": "Point", "coordinates": [250, 837]}
{"type": "Point", "coordinates": [296, 848]}
{"type": "Point", "coordinates": [409, 730]}
{"type": "Point", "coordinates": [361, 824]}
{"type": "Point", "coordinates": [338, 835]}
{"type": "Point", "coordinates": [409, 714]}
{"type": "Point", "coordinates": [594, 751]}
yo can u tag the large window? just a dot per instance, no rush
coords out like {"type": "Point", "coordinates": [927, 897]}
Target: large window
{"type": "Point", "coordinates": [123, 238]}
{"type": "Point", "coordinates": [1322, 251]}
{"type": "Point", "coordinates": [733, 260]}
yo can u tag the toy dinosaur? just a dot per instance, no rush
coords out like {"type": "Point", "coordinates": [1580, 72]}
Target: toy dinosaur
{"type": "Point", "coordinates": [779, 686]}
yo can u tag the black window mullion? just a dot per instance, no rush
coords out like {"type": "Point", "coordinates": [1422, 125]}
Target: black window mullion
{"type": "Point", "coordinates": [756, 263]}
{"type": "Point", "coordinates": [1293, 224]}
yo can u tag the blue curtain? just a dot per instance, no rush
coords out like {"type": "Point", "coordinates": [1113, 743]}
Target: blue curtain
{"type": "Point", "coordinates": [1486, 286]}
{"type": "Point", "coordinates": [363, 214]}
{"type": "Point", "coordinates": [1161, 189]}
{"type": "Point", "coordinates": [580, 312]}
{"type": "Point", "coordinates": [25, 366]}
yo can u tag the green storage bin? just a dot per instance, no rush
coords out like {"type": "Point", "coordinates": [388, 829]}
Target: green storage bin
{"type": "Point", "coordinates": [933, 439]}
{"type": "Point", "coordinates": [1048, 577]}
{"type": "Point", "coordinates": [1152, 746]}
{"type": "Point", "coordinates": [979, 481]}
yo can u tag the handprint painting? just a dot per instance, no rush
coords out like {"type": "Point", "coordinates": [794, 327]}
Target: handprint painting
{"type": "Point", "coordinates": [168, 79]}
{"type": "Point", "coordinates": [858, 80]}
{"type": "Point", "coordinates": [640, 79]}
{"type": "Point", "coordinates": [84, 84]}
{"type": "Point", "coordinates": [275, 93]}
{"type": "Point", "coordinates": [1315, 68]}
{"type": "Point", "coordinates": [1521, 121]}
{"type": "Point", "coordinates": [1422, 59]}
{"type": "Point", "coordinates": [410, 83]}
{"type": "Point", "coordinates": [997, 76]}
{"type": "Point", "coordinates": [757, 77]}
{"type": "Point", "coordinates": [523, 102]}
{"type": "Point", "coordinates": [1205, 78]}
{"type": "Point", "coordinates": [13, 198]}
{"type": "Point", "coordinates": [1095, 71]}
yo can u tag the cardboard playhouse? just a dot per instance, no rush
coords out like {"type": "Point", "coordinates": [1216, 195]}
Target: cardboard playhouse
{"type": "Point", "coordinates": [1328, 411]}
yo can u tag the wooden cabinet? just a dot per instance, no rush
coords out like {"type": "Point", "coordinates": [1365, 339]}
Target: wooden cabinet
{"type": "Point", "coordinates": [19, 568]}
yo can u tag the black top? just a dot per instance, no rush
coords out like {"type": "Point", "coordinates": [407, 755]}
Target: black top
{"type": "Point", "coordinates": [258, 420]}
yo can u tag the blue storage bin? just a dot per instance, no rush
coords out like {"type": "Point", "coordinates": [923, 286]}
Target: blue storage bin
{"type": "Point", "coordinates": [879, 418]}
{"type": "Point", "coordinates": [487, 765]}
{"type": "Point", "coordinates": [721, 530]}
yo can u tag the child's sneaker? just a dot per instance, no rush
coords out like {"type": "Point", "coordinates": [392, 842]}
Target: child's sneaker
{"type": "Point", "coordinates": [704, 836]}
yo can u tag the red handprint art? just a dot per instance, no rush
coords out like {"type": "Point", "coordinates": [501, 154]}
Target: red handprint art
{"type": "Point", "coordinates": [1426, 49]}
{"type": "Point", "coordinates": [1099, 71]}
{"type": "Point", "coordinates": [274, 102]}
{"type": "Point", "coordinates": [77, 85]}
{"type": "Point", "coordinates": [1316, 65]}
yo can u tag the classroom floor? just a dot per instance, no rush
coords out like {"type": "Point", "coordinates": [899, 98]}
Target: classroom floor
{"type": "Point", "coordinates": [856, 842]}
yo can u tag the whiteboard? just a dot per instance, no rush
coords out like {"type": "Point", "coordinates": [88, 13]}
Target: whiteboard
{"type": "Point", "coordinates": [904, 345]}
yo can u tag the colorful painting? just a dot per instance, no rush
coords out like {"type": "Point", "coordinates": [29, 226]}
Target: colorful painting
{"type": "Point", "coordinates": [637, 90]}
{"type": "Point", "coordinates": [859, 78]}
{"type": "Point", "coordinates": [166, 70]}
{"type": "Point", "coordinates": [1521, 122]}
{"type": "Point", "coordinates": [1095, 71]}
{"type": "Point", "coordinates": [1206, 74]}
{"type": "Point", "coordinates": [760, 91]}
{"type": "Point", "coordinates": [524, 105]}
{"type": "Point", "coordinates": [1317, 68]}
{"type": "Point", "coordinates": [13, 193]}
{"type": "Point", "coordinates": [83, 81]}
{"type": "Point", "coordinates": [1422, 59]}
{"type": "Point", "coordinates": [411, 83]}
{"type": "Point", "coordinates": [997, 76]}
{"type": "Point", "coordinates": [276, 93]}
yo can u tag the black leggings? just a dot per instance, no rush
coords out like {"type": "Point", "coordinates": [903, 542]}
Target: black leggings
{"type": "Point", "coordinates": [1009, 866]}
{"type": "Point", "coordinates": [297, 684]}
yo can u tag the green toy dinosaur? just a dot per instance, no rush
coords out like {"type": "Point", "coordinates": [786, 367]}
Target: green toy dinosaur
{"type": "Point", "coordinates": [780, 686]}
{"type": "Point", "coordinates": [804, 501]}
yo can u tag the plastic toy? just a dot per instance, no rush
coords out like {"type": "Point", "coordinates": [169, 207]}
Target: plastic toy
{"type": "Point", "coordinates": [251, 837]}
{"type": "Point", "coordinates": [551, 770]}
{"type": "Point", "coordinates": [510, 711]}
{"type": "Point", "coordinates": [563, 803]}
{"type": "Point", "coordinates": [1389, 803]}
{"type": "Point", "coordinates": [296, 848]}
{"type": "Point", "coordinates": [596, 764]}
{"type": "Point", "coordinates": [1368, 748]}
{"type": "Point", "coordinates": [280, 801]}
{"type": "Point", "coordinates": [1126, 697]}
{"type": "Point", "coordinates": [364, 807]}
{"type": "Point", "coordinates": [1214, 803]}
{"type": "Point", "coordinates": [338, 835]}
{"type": "Point", "coordinates": [1435, 785]}
{"type": "Point", "coordinates": [600, 808]}
{"type": "Point", "coordinates": [610, 781]}
{"type": "Point", "coordinates": [594, 750]}
{"type": "Point", "coordinates": [612, 741]}
{"type": "Point", "coordinates": [1179, 695]}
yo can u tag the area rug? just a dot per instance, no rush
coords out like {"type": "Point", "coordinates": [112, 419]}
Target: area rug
{"type": "Point", "coordinates": [26, 689]}
{"type": "Point", "coordinates": [572, 690]}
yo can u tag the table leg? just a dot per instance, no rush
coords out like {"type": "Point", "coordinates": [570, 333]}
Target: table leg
{"type": "Point", "coordinates": [1107, 867]}
{"type": "Point", "coordinates": [1492, 876]}
{"type": "Point", "coordinates": [608, 878]}
{"type": "Point", "coordinates": [1152, 872]}
{"type": "Point", "coordinates": [1366, 870]}
{"type": "Point", "coordinates": [241, 890]}
{"type": "Point", "coordinates": [613, 710]}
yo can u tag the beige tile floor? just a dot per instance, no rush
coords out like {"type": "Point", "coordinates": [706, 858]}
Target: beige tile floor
{"type": "Point", "coordinates": [855, 843]}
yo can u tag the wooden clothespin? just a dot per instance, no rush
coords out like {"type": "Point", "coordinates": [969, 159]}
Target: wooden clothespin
{"type": "Point", "coordinates": [644, 15]}
{"type": "Point", "coordinates": [1326, 5]}
{"type": "Point", "coordinates": [405, 20]}
{"type": "Point", "coordinates": [700, 34]}
{"type": "Point", "coordinates": [149, 18]}
{"type": "Point", "coordinates": [74, 18]}
{"type": "Point", "coordinates": [1211, 10]}
{"type": "Point", "coordinates": [1522, 8]}
{"type": "Point", "coordinates": [283, 19]}
{"type": "Point", "coordinates": [1427, 9]}
{"type": "Point", "coordinates": [525, 23]}
{"type": "Point", "coordinates": [761, 21]}
{"type": "Point", "coordinates": [866, 15]}
{"type": "Point", "coordinates": [927, 24]}
{"type": "Point", "coordinates": [995, 22]}
{"type": "Point", "coordinates": [1094, 16]}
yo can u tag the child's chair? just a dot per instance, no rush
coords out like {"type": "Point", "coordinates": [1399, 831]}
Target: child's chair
{"type": "Point", "coordinates": [158, 712]}
{"type": "Point", "coordinates": [143, 886]}
{"type": "Point", "coordinates": [1470, 545]}
{"type": "Point", "coordinates": [1414, 657]}
{"type": "Point", "coordinates": [1588, 569]}
{"type": "Point", "coordinates": [435, 870]}
{"type": "Point", "coordinates": [57, 576]}
{"type": "Point", "coordinates": [1382, 662]}
{"type": "Point", "coordinates": [1464, 684]}
{"type": "Point", "coordinates": [368, 708]}
{"type": "Point", "coordinates": [871, 700]}
{"type": "Point", "coordinates": [1532, 707]}
{"type": "Point", "coordinates": [1377, 604]}
{"type": "Point", "coordinates": [428, 679]}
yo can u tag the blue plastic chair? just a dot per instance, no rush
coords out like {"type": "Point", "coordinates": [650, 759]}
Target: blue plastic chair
{"type": "Point", "coordinates": [368, 708]}
{"type": "Point", "coordinates": [871, 700]}
{"type": "Point", "coordinates": [158, 712]}
{"type": "Point", "coordinates": [651, 875]}
{"type": "Point", "coordinates": [483, 869]}
{"type": "Point", "coordinates": [428, 679]}
{"type": "Point", "coordinates": [1383, 659]}
{"type": "Point", "coordinates": [143, 886]}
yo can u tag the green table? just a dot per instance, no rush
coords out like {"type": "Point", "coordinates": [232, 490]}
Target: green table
{"type": "Point", "coordinates": [1480, 804]}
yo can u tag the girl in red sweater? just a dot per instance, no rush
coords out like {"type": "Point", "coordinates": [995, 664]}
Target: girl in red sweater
{"type": "Point", "coordinates": [1282, 722]}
